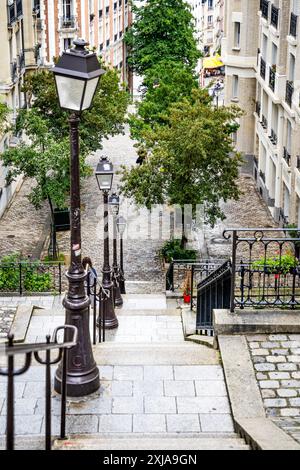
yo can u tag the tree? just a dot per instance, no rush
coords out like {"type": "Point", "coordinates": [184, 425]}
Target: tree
{"type": "Point", "coordinates": [191, 159]}
{"type": "Point", "coordinates": [4, 112]}
{"type": "Point", "coordinates": [164, 84]}
{"type": "Point", "coordinates": [161, 29]}
{"type": "Point", "coordinates": [106, 116]}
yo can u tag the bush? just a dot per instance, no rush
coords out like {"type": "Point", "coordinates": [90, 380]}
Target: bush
{"type": "Point", "coordinates": [277, 265]}
{"type": "Point", "coordinates": [34, 276]}
{"type": "Point", "coordinates": [171, 249]}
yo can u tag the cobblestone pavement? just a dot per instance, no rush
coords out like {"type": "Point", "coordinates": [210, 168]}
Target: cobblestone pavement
{"type": "Point", "coordinates": [6, 319]}
{"type": "Point", "coordinates": [276, 361]}
{"type": "Point", "coordinates": [22, 228]}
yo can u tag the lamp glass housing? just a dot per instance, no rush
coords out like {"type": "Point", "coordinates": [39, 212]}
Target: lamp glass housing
{"type": "Point", "coordinates": [121, 224]}
{"type": "Point", "coordinates": [104, 174]}
{"type": "Point", "coordinates": [114, 204]}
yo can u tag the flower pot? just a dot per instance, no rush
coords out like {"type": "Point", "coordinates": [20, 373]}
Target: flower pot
{"type": "Point", "coordinates": [186, 298]}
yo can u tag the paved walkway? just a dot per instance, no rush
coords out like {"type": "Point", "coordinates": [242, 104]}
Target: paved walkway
{"type": "Point", "coordinates": [152, 381]}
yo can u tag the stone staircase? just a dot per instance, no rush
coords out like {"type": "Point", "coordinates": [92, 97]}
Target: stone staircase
{"type": "Point", "coordinates": [158, 391]}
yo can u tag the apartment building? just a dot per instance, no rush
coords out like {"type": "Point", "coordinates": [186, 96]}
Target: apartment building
{"type": "Point", "coordinates": [209, 15]}
{"type": "Point", "coordinates": [101, 22]}
{"type": "Point", "coordinates": [262, 78]}
{"type": "Point", "coordinates": [18, 38]}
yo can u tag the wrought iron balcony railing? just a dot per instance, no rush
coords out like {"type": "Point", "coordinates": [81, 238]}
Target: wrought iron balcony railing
{"type": "Point", "coordinates": [274, 16]}
{"type": "Point", "coordinates": [262, 68]}
{"type": "Point", "coordinates": [272, 76]}
{"type": "Point", "coordinates": [262, 175]}
{"type": "Point", "coordinates": [289, 92]}
{"type": "Point", "coordinates": [293, 25]}
{"type": "Point", "coordinates": [264, 122]}
{"type": "Point", "coordinates": [68, 22]}
{"type": "Point", "coordinates": [286, 156]}
{"type": "Point", "coordinates": [273, 137]}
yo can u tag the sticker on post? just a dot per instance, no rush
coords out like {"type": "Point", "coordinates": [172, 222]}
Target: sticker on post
{"type": "Point", "coordinates": [76, 248]}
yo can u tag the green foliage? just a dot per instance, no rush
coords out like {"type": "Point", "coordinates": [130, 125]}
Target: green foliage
{"type": "Point", "coordinates": [4, 112]}
{"type": "Point", "coordinates": [162, 28]}
{"type": "Point", "coordinates": [164, 84]}
{"type": "Point", "coordinates": [171, 249]}
{"type": "Point", "coordinates": [106, 116]}
{"type": "Point", "coordinates": [191, 159]}
{"type": "Point", "coordinates": [276, 264]}
{"type": "Point", "coordinates": [44, 159]}
{"type": "Point", "coordinates": [34, 276]}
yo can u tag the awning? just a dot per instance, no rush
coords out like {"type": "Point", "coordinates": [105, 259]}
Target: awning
{"type": "Point", "coordinates": [212, 62]}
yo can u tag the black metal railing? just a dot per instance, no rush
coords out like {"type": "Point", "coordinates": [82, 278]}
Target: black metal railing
{"type": "Point", "coordinates": [262, 68]}
{"type": "Point", "coordinates": [196, 270]}
{"type": "Point", "coordinates": [68, 22]}
{"type": "Point", "coordinates": [264, 122]}
{"type": "Point", "coordinates": [98, 296]}
{"type": "Point", "coordinates": [293, 25]}
{"type": "Point", "coordinates": [286, 156]}
{"type": "Point", "coordinates": [30, 278]}
{"type": "Point", "coordinates": [11, 349]}
{"type": "Point", "coordinates": [265, 267]}
{"type": "Point", "coordinates": [213, 292]}
{"type": "Point", "coordinates": [264, 6]}
{"type": "Point", "coordinates": [273, 137]}
{"type": "Point", "coordinates": [262, 175]}
{"type": "Point", "coordinates": [272, 77]}
{"type": "Point", "coordinates": [274, 16]}
{"type": "Point", "coordinates": [289, 92]}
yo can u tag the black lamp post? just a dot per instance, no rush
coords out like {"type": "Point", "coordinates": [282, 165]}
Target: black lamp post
{"type": "Point", "coordinates": [104, 175]}
{"type": "Point", "coordinates": [121, 225]}
{"type": "Point", "coordinates": [114, 204]}
{"type": "Point", "coordinates": [77, 74]}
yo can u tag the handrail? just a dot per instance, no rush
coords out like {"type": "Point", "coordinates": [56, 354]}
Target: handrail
{"type": "Point", "coordinates": [10, 350]}
{"type": "Point", "coordinates": [225, 268]}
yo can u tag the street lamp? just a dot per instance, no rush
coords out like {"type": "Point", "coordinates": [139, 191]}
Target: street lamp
{"type": "Point", "coordinates": [114, 204]}
{"type": "Point", "coordinates": [104, 175]}
{"type": "Point", "coordinates": [77, 74]}
{"type": "Point", "coordinates": [121, 225]}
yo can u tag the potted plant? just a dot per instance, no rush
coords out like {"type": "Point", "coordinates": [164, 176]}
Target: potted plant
{"type": "Point", "coordinates": [171, 250]}
{"type": "Point", "coordinates": [187, 288]}
{"type": "Point", "coordinates": [277, 265]}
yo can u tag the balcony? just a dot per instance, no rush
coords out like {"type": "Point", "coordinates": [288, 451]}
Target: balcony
{"type": "Point", "coordinates": [293, 25]}
{"type": "Point", "coordinates": [68, 22]}
{"type": "Point", "coordinates": [289, 92]}
{"type": "Point", "coordinates": [286, 156]}
{"type": "Point", "coordinates": [14, 70]}
{"type": "Point", "coordinates": [262, 176]}
{"type": "Point", "coordinates": [272, 75]}
{"type": "Point", "coordinates": [264, 7]}
{"type": "Point", "coordinates": [262, 68]}
{"type": "Point", "coordinates": [273, 137]}
{"type": "Point", "coordinates": [274, 16]}
{"type": "Point", "coordinates": [264, 122]}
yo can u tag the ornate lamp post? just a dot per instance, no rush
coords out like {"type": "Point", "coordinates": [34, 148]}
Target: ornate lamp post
{"type": "Point", "coordinates": [104, 175]}
{"type": "Point", "coordinates": [77, 74]}
{"type": "Point", "coordinates": [121, 225]}
{"type": "Point", "coordinates": [114, 204]}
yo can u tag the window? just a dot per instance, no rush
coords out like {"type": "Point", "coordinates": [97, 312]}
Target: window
{"type": "Point", "coordinates": [67, 43]}
{"type": "Point", "coordinates": [237, 34]}
{"type": "Point", "coordinates": [235, 86]}
{"type": "Point", "coordinates": [67, 8]}
{"type": "Point", "coordinates": [210, 19]}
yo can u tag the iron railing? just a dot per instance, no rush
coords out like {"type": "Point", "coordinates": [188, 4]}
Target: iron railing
{"type": "Point", "coordinates": [264, 122]}
{"type": "Point", "coordinates": [11, 349]}
{"type": "Point", "coordinates": [293, 25]}
{"type": "Point", "coordinates": [289, 92]}
{"type": "Point", "coordinates": [68, 22]}
{"type": "Point", "coordinates": [273, 137]}
{"type": "Point", "coordinates": [274, 16]}
{"type": "Point", "coordinates": [264, 6]}
{"type": "Point", "coordinates": [213, 292]}
{"type": "Point", "coordinates": [286, 156]}
{"type": "Point", "coordinates": [98, 296]}
{"type": "Point", "coordinates": [30, 278]}
{"type": "Point", "coordinates": [262, 68]}
{"type": "Point", "coordinates": [272, 77]}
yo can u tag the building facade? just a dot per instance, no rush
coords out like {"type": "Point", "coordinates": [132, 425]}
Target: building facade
{"type": "Point", "coordinates": [18, 38]}
{"type": "Point", "coordinates": [209, 22]}
{"type": "Point", "coordinates": [262, 78]}
{"type": "Point", "coordinates": [102, 23]}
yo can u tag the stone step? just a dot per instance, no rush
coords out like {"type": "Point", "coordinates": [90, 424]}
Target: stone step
{"type": "Point", "coordinates": [201, 339]}
{"type": "Point", "coordinates": [148, 312]}
{"type": "Point", "coordinates": [153, 441]}
{"type": "Point", "coordinates": [174, 353]}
